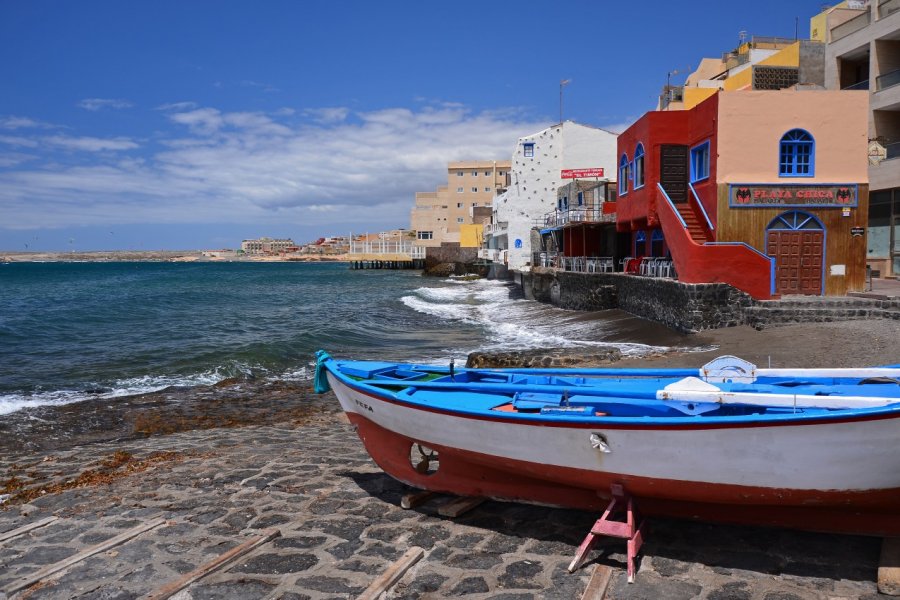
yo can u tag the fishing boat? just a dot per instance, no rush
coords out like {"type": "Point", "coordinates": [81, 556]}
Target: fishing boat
{"type": "Point", "coordinates": [815, 449]}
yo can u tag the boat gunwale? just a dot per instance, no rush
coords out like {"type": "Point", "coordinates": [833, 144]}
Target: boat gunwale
{"type": "Point", "coordinates": [684, 422]}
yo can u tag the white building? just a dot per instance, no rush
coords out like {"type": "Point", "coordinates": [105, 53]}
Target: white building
{"type": "Point", "coordinates": [535, 174]}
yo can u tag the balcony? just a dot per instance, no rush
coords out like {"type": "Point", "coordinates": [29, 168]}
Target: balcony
{"type": "Point", "coordinates": [860, 85]}
{"type": "Point", "coordinates": [893, 150]}
{"type": "Point", "coordinates": [883, 82]}
{"type": "Point", "coordinates": [888, 7]}
{"type": "Point", "coordinates": [495, 228]}
{"type": "Point", "coordinates": [858, 22]}
{"type": "Point", "coordinates": [575, 216]}
{"type": "Point", "coordinates": [491, 254]}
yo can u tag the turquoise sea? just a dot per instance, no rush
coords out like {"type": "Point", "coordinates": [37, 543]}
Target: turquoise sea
{"type": "Point", "coordinates": [72, 331]}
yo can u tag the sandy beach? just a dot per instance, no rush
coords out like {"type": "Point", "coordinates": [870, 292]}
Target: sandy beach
{"type": "Point", "coordinates": [222, 464]}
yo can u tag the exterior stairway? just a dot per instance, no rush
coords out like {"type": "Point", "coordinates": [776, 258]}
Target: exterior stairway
{"type": "Point", "coordinates": [694, 226]}
{"type": "Point", "coordinates": [812, 309]}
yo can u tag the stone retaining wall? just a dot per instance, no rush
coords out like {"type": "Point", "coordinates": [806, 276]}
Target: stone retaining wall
{"type": "Point", "coordinates": [688, 307]}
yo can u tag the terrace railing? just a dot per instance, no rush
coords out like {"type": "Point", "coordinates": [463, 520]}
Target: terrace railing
{"type": "Point", "coordinates": [852, 26]}
{"type": "Point", "coordinates": [580, 214]}
{"type": "Point", "coordinates": [883, 82]}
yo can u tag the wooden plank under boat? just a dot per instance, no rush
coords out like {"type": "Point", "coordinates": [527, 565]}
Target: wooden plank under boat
{"type": "Point", "coordinates": [806, 448]}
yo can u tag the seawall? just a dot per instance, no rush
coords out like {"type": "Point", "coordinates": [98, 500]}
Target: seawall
{"type": "Point", "coordinates": [688, 307]}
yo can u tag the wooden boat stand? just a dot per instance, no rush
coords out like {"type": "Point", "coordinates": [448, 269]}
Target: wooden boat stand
{"type": "Point", "coordinates": [632, 530]}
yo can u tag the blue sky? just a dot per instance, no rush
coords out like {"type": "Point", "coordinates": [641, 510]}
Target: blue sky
{"type": "Point", "coordinates": [188, 125]}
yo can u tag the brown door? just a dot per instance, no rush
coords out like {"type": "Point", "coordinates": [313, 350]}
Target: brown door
{"type": "Point", "coordinates": [798, 260]}
{"type": "Point", "coordinates": [673, 171]}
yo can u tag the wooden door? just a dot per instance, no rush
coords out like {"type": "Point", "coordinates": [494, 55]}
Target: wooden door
{"type": "Point", "coordinates": [799, 261]}
{"type": "Point", "coordinates": [673, 171]}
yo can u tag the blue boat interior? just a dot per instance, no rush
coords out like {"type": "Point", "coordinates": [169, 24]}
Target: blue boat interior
{"type": "Point", "coordinates": [588, 393]}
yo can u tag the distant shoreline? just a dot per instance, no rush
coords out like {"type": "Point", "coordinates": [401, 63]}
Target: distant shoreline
{"type": "Point", "coordinates": [159, 256]}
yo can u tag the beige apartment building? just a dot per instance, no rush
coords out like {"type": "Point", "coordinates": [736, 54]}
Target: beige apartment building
{"type": "Point", "coordinates": [438, 215]}
{"type": "Point", "coordinates": [862, 52]}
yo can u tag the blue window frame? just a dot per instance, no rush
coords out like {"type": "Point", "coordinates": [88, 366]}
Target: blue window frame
{"type": "Point", "coordinates": [700, 162]}
{"type": "Point", "coordinates": [528, 149]}
{"type": "Point", "coordinates": [623, 175]}
{"type": "Point", "coordinates": [639, 166]}
{"type": "Point", "coordinates": [797, 153]}
{"type": "Point", "coordinates": [640, 243]}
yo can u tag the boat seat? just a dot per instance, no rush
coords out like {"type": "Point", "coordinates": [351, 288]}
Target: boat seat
{"type": "Point", "coordinates": [535, 400]}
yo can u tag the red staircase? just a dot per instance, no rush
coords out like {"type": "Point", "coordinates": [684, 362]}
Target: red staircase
{"type": "Point", "coordinates": [694, 227]}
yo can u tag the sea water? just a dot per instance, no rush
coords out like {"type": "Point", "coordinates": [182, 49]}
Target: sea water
{"type": "Point", "coordinates": [73, 331]}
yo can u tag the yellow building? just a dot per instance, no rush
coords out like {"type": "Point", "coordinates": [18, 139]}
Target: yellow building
{"type": "Point", "coordinates": [762, 63]}
{"type": "Point", "coordinates": [439, 216]}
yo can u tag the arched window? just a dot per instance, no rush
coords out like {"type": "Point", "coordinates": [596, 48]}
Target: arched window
{"type": "Point", "coordinates": [795, 220]}
{"type": "Point", "coordinates": [797, 154]}
{"type": "Point", "coordinates": [639, 166]}
{"type": "Point", "coordinates": [656, 243]}
{"type": "Point", "coordinates": [623, 175]}
{"type": "Point", "coordinates": [640, 243]}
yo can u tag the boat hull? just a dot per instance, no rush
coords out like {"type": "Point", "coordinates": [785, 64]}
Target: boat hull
{"type": "Point", "coordinates": [840, 478]}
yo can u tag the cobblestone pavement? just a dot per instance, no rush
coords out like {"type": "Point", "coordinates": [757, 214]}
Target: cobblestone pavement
{"type": "Point", "coordinates": [341, 527]}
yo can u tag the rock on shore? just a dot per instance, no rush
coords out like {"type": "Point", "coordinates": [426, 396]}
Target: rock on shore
{"type": "Point", "coordinates": [543, 358]}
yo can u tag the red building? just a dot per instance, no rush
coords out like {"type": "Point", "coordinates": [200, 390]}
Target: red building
{"type": "Point", "coordinates": [763, 190]}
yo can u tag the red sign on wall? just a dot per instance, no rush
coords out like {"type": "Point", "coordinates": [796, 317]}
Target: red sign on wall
{"type": "Point", "coordinates": [759, 195]}
{"type": "Point", "coordinates": [581, 173]}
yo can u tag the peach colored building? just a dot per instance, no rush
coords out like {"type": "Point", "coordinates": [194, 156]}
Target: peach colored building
{"type": "Point", "coordinates": [437, 216]}
{"type": "Point", "coordinates": [764, 190]}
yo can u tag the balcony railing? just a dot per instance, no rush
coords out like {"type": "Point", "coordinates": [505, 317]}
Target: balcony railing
{"type": "Point", "coordinates": [853, 25]}
{"type": "Point", "coordinates": [491, 254]}
{"type": "Point", "coordinates": [574, 216]}
{"type": "Point", "coordinates": [883, 82]}
{"type": "Point", "coordinates": [575, 264]}
{"type": "Point", "coordinates": [385, 247]}
{"type": "Point", "coordinates": [859, 85]}
{"type": "Point", "coordinates": [893, 150]}
{"type": "Point", "coordinates": [888, 7]}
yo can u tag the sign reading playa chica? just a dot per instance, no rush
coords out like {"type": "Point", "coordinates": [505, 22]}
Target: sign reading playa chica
{"type": "Point", "coordinates": [758, 195]}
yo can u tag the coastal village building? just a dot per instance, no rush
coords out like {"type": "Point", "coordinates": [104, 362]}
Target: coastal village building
{"type": "Point", "coordinates": [541, 164]}
{"type": "Point", "coordinates": [762, 63]}
{"type": "Point", "coordinates": [266, 245]}
{"type": "Point", "coordinates": [441, 215]}
{"type": "Point", "coordinates": [862, 52]}
{"type": "Point", "coordinates": [763, 190]}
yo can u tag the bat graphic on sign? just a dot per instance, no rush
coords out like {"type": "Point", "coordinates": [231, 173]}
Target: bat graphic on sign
{"type": "Point", "coordinates": [742, 195]}
{"type": "Point", "coordinates": [843, 195]}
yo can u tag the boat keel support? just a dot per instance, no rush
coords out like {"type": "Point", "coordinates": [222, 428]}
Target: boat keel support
{"type": "Point", "coordinates": [631, 530]}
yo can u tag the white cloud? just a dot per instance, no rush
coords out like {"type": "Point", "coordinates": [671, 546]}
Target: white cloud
{"type": "Point", "coordinates": [13, 122]}
{"type": "Point", "coordinates": [327, 115]}
{"type": "Point", "coordinates": [177, 106]}
{"type": "Point", "coordinates": [14, 140]}
{"type": "Point", "coordinates": [95, 104]}
{"type": "Point", "coordinates": [249, 167]}
{"type": "Point", "coordinates": [90, 144]}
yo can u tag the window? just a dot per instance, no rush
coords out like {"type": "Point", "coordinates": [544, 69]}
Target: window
{"type": "Point", "coordinates": [500, 173]}
{"type": "Point", "coordinates": [474, 189]}
{"type": "Point", "coordinates": [474, 173]}
{"type": "Point", "coordinates": [528, 149]}
{"type": "Point", "coordinates": [487, 173]}
{"type": "Point", "coordinates": [474, 204]}
{"type": "Point", "coordinates": [459, 173]}
{"type": "Point", "coordinates": [459, 190]}
{"type": "Point", "coordinates": [460, 220]}
{"type": "Point", "coordinates": [623, 175]}
{"type": "Point", "coordinates": [639, 166]}
{"type": "Point", "coordinates": [424, 235]}
{"type": "Point", "coordinates": [700, 162]}
{"type": "Point", "coordinates": [459, 205]}
{"type": "Point", "coordinates": [640, 243]}
{"type": "Point", "coordinates": [797, 154]}
{"type": "Point", "coordinates": [487, 189]}
{"type": "Point", "coordinates": [580, 198]}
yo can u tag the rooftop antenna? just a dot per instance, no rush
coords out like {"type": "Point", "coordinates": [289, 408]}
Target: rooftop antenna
{"type": "Point", "coordinates": [562, 83]}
